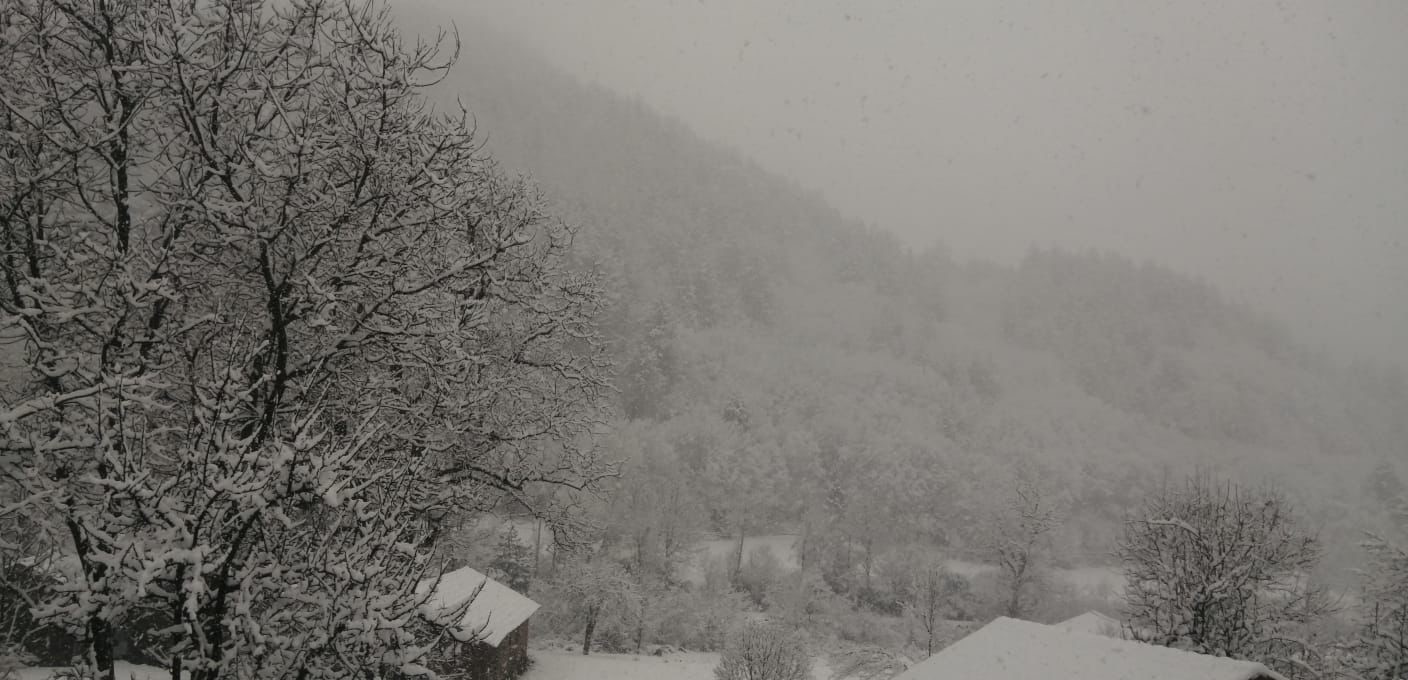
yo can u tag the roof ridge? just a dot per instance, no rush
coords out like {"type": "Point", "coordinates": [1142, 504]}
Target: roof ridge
{"type": "Point", "coordinates": [1014, 645]}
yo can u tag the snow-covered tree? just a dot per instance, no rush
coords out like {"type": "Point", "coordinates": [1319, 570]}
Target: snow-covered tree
{"type": "Point", "coordinates": [1380, 650]}
{"type": "Point", "coordinates": [513, 561]}
{"type": "Point", "coordinates": [279, 316]}
{"type": "Point", "coordinates": [595, 590]}
{"type": "Point", "coordinates": [1384, 484]}
{"type": "Point", "coordinates": [1018, 541]}
{"type": "Point", "coordinates": [1222, 569]}
{"type": "Point", "coordinates": [937, 594]}
{"type": "Point", "coordinates": [654, 509]}
{"type": "Point", "coordinates": [762, 652]}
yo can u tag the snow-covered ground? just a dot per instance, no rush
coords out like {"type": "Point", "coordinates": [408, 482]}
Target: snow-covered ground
{"type": "Point", "coordinates": [721, 551]}
{"type": "Point", "coordinates": [1092, 580]}
{"type": "Point", "coordinates": [125, 671]}
{"type": "Point", "coordinates": [563, 665]}
{"type": "Point", "coordinates": [547, 665]}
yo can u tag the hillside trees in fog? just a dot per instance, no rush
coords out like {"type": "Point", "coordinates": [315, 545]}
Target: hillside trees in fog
{"type": "Point", "coordinates": [1108, 370]}
{"type": "Point", "coordinates": [754, 326]}
{"type": "Point", "coordinates": [654, 513]}
{"type": "Point", "coordinates": [280, 319]}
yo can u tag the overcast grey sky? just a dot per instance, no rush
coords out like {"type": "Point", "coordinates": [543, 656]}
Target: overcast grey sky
{"type": "Point", "coordinates": [1262, 144]}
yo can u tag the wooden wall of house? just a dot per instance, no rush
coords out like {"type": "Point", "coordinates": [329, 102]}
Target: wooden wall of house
{"type": "Point", "coordinates": [478, 661]}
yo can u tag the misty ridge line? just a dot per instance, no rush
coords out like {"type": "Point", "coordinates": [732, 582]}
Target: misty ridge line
{"type": "Point", "coordinates": [728, 158]}
{"type": "Point", "coordinates": [1281, 190]}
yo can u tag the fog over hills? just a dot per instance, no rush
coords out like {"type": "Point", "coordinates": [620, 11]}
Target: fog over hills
{"type": "Point", "coordinates": [1258, 145]}
{"type": "Point", "coordinates": [750, 314]}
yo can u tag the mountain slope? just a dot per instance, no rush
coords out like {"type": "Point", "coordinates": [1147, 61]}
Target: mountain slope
{"type": "Point", "coordinates": [800, 369]}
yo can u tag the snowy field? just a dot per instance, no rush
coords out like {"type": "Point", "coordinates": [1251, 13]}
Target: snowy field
{"type": "Point", "coordinates": [1084, 579]}
{"type": "Point", "coordinates": [547, 665]}
{"type": "Point", "coordinates": [562, 665]}
{"type": "Point", "coordinates": [125, 671]}
{"type": "Point", "coordinates": [1094, 580]}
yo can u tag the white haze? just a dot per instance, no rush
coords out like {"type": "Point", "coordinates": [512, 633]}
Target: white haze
{"type": "Point", "coordinates": [1261, 144]}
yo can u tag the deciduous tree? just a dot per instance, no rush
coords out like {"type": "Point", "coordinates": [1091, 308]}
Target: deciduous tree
{"type": "Point", "coordinates": [279, 315]}
{"type": "Point", "coordinates": [1380, 650]}
{"type": "Point", "coordinates": [1019, 540]}
{"type": "Point", "coordinates": [595, 589]}
{"type": "Point", "coordinates": [1222, 569]}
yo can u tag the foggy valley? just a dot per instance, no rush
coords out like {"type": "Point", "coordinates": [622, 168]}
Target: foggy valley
{"type": "Point", "coordinates": [703, 339]}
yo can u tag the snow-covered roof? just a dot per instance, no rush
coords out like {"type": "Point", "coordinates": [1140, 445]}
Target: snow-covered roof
{"type": "Point", "coordinates": [1008, 649]}
{"type": "Point", "coordinates": [493, 613]}
{"type": "Point", "coordinates": [1092, 622]}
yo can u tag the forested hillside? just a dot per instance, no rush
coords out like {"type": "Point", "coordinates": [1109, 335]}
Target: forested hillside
{"type": "Point", "coordinates": [304, 331]}
{"type": "Point", "coordinates": [784, 368]}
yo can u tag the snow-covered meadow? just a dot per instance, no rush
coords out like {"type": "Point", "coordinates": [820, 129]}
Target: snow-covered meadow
{"type": "Point", "coordinates": [125, 671]}
{"type": "Point", "coordinates": [1090, 580]}
{"type": "Point", "coordinates": [564, 665]}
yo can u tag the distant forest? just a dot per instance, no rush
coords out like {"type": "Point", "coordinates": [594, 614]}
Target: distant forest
{"type": "Point", "coordinates": [788, 369]}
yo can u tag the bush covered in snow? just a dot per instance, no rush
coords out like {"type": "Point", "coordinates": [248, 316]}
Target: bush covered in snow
{"type": "Point", "coordinates": [1222, 569]}
{"type": "Point", "coordinates": [758, 651]}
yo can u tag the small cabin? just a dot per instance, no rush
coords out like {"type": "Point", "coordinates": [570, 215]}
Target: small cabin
{"type": "Point", "coordinates": [490, 640]}
{"type": "Point", "coordinates": [1009, 649]}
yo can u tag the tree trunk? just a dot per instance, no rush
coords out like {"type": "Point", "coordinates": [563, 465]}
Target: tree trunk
{"type": "Point", "coordinates": [640, 625]}
{"type": "Point", "coordinates": [537, 545]}
{"type": "Point", "coordinates": [738, 554]}
{"type": "Point", "coordinates": [802, 546]}
{"type": "Point", "coordinates": [99, 631]}
{"type": "Point", "coordinates": [587, 636]}
{"type": "Point", "coordinates": [100, 641]}
{"type": "Point", "coordinates": [869, 559]}
{"type": "Point", "coordinates": [641, 540]}
{"type": "Point", "coordinates": [931, 609]}
{"type": "Point", "coordinates": [1016, 570]}
{"type": "Point", "coordinates": [1014, 601]}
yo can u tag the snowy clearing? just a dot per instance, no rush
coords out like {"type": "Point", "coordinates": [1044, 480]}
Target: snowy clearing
{"type": "Point", "coordinates": [562, 665]}
{"type": "Point", "coordinates": [547, 665]}
{"type": "Point", "coordinates": [125, 671]}
{"type": "Point", "coordinates": [1091, 580]}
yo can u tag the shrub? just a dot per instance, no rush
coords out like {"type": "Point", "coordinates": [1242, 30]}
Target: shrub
{"type": "Point", "coordinates": [763, 652]}
{"type": "Point", "coordinates": [802, 601]}
{"type": "Point", "coordinates": [865, 662]}
{"type": "Point", "coordinates": [868, 628]}
{"type": "Point", "coordinates": [759, 573]}
{"type": "Point", "coordinates": [698, 620]}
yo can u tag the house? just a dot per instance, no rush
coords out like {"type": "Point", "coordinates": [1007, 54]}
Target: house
{"type": "Point", "coordinates": [1093, 622]}
{"type": "Point", "coordinates": [490, 639]}
{"type": "Point", "coordinates": [1008, 649]}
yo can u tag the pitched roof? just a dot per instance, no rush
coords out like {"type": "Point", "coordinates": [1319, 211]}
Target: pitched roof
{"type": "Point", "coordinates": [495, 610]}
{"type": "Point", "coordinates": [1008, 649]}
{"type": "Point", "coordinates": [1092, 622]}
